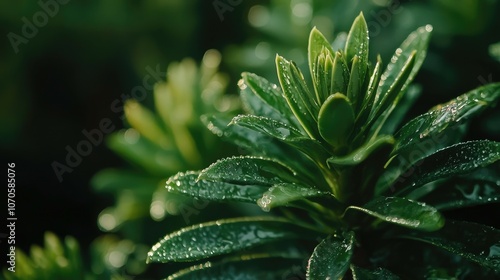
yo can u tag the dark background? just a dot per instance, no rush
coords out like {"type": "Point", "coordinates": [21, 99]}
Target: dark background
{"type": "Point", "coordinates": [66, 77]}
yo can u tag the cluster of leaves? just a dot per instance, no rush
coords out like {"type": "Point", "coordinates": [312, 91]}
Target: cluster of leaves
{"type": "Point", "coordinates": [162, 142]}
{"type": "Point", "coordinates": [333, 168]}
{"type": "Point", "coordinates": [158, 144]}
{"type": "Point", "coordinates": [57, 260]}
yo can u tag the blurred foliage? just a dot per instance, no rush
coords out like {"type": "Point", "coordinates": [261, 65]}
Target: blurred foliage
{"type": "Point", "coordinates": [56, 260]}
{"type": "Point", "coordinates": [159, 143]}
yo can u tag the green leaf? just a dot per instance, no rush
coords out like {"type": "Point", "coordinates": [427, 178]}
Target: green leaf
{"type": "Point", "coordinates": [355, 84]}
{"type": "Point", "coordinates": [336, 120]}
{"type": "Point", "coordinates": [362, 153]}
{"type": "Point", "coordinates": [331, 258]}
{"type": "Point", "coordinates": [475, 242]}
{"type": "Point", "coordinates": [359, 273]}
{"type": "Point", "coordinates": [457, 159]}
{"type": "Point", "coordinates": [247, 267]}
{"type": "Point", "coordinates": [146, 123]}
{"type": "Point", "coordinates": [248, 170]}
{"type": "Point", "coordinates": [371, 92]}
{"type": "Point", "coordinates": [187, 183]}
{"type": "Point", "coordinates": [272, 96]}
{"type": "Point", "coordinates": [403, 212]}
{"type": "Point", "coordinates": [320, 68]}
{"type": "Point", "coordinates": [477, 188]}
{"type": "Point", "coordinates": [139, 151]}
{"type": "Point", "coordinates": [386, 99]}
{"type": "Point", "coordinates": [222, 237]}
{"type": "Point", "coordinates": [416, 42]}
{"type": "Point", "coordinates": [287, 134]}
{"type": "Point", "coordinates": [297, 95]}
{"type": "Point", "coordinates": [118, 180]}
{"type": "Point", "coordinates": [441, 117]}
{"type": "Point", "coordinates": [283, 194]}
{"type": "Point", "coordinates": [357, 45]}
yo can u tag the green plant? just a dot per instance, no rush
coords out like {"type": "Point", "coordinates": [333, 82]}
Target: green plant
{"type": "Point", "coordinates": [57, 260]}
{"type": "Point", "coordinates": [330, 166]}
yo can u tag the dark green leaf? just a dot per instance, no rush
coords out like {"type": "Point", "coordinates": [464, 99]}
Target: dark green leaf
{"type": "Point", "coordinates": [457, 159]}
{"type": "Point", "coordinates": [245, 268]}
{"type": "Point", "coordinates": [369, 97]}
{"type": "Point", "coordinates": [441, 117]}
{"type": "Point", "coordinates": [261, 144]}
{"type": "Point", "coordinates": [272, 96]}
{"type": "Point", "coordinates": [335, 120]}
{"type": "Point", "coordinates": [187, 184]}
{"type": "Point", "coordinates": [283, 194]}
{"type": "Point", "coordinates": [475, 242]}
{"type": "Point", "coordinates": [297, 96]}
{"type": "Point", "coordinates": [476, 188]}
{"type": "Point", "coordinates": [248, 170]}
{"type": "Point", "coordinates": [359, 273]}
{"type": "Point", "coordinates": [331, 258]}
{"type": "Point", "coordinates": [403, 212]}
{"type": "Point", "coordinates": [222, 237]}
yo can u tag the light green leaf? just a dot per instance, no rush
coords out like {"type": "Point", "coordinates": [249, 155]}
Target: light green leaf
{"type": "Point", "coordinates": [331, 258]}
{"type": "Point", "coordinates": [454, 160]}
{"type": "Point", "coordinates": [248, 170]}
{"type": "Point", "coordinates": [475, 242]}
{"type": "Point", "coordinates": [441, 117]}
{"type": "Point", "coordinates": [355, 84]}
{"type": "Point", "coordinates": [359, 273]}
{"type": "Point", "coordinates": [299, 99]}
{"type": "Point", "coordinates": [321, 56]}
{"type": "Point", "coordinates": [336, 120]}
{"type": "Point", "coordinates": [188, 184]}
{"type": "Point", "coordinates": [417, 42]}
{"type": "Point", "coordinates": [283, 194]}
{"type": "Point", "coordinates": [385, 100]}
{"type": "Point", "coordinates": [357, 45]}
{"type": "Point", "coordinates": [272, 96]}
{"type": "Point", "coordinates": [139, 151]}
{"type": "Point", "coordinates": [118, 180]}
{"type": "Point", "coordinates": [403, 212]}
{"type": "Point", "coordinates": [222, 237]}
